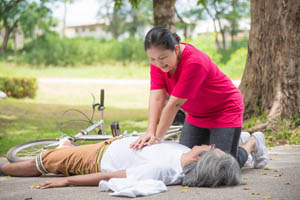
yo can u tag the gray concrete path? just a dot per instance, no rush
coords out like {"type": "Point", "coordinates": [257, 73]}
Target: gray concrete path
{"type": "Point", "coordinates": [279, 180]}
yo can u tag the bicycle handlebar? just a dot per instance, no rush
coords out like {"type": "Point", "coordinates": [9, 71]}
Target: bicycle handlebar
{"type": "Point", "coordinates": [102, 98]}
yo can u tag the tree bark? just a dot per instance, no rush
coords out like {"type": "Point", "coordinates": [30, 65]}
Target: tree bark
{"type": "Point", "coordinates": [271, 80]}
{"type": "Point", "coordinates": [164, 14]}
{"type": "Point", "coordinates": [8, 30]}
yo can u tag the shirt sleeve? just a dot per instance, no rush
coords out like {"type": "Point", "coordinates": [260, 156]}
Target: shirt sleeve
{"type": "Point", "coordinates": [163, 173]}
{"type": "Point", "coordinates": [157, 78]}
{"type": "Point", "coordinates": [190, 81]}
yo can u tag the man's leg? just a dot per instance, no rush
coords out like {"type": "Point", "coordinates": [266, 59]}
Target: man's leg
{"type": "Point", "coordinates": [257, 147]}
{"type": "Point", "coordinates": [24, 168]}
{"type": "Point", "coordinates": [192, 135]}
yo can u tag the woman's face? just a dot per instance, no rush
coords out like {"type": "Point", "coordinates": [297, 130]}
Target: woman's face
{"type": "Point", "coordinates": [166, 60]}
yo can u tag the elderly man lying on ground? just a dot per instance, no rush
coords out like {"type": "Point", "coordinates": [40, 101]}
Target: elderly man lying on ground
{"type": "Point", "coordinates": [169, 162]}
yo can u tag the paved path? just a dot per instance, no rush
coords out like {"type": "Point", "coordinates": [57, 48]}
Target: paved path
{"type": "Point", "coordinates": [280, 181]}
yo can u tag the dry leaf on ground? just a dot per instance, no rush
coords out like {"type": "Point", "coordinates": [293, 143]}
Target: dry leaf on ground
{"type": "Point", "coordinates": [185, 189]}
{"type": "Point", "coordinates": [246, 188]}
{"type": "Point", "coordinates": [33, 186]}
{"type": "Point", "coordinates": [267, 197]}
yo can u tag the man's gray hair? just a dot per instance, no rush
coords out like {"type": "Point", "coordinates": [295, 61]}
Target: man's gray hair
{"type": "Point", "coordinates": [212, 170]}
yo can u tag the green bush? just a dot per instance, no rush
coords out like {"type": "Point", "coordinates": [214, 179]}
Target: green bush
{"type": "Point", "coordinates": [18, 87]}
{"type": "Point", "coordinates": [234, 68]}
{"type": "Point", "coordinates": [53, 50]}
{"type": "Point", "coordinates": [206, 43]}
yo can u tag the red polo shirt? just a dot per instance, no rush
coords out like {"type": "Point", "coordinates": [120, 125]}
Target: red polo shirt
{"type": "Point", "coordinates": [212, 99]}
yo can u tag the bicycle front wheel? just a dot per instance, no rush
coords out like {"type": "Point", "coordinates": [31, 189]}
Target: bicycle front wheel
{"type": "Point", "coordinates": [30, 150]}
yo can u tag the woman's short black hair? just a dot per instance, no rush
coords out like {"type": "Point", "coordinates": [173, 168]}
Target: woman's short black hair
{"type": "Point", "coordinates": [161, 37]}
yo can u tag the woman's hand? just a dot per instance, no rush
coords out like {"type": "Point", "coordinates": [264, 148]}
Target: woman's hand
{"type": "Point", "coordinates": [55, 182]}
{"type": "Point", "coordinates": [144, 140]}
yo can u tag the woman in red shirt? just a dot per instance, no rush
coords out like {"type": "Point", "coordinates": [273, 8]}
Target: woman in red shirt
{"type": "Point", "coordinates": [214, 106]}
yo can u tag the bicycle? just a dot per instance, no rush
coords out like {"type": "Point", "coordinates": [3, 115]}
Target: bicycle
{"type": "Point", "coordinates": [31, 149]}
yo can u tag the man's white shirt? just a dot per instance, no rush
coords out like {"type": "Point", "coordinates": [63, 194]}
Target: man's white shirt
{"type": "Point", "coordinates": [158, 162]}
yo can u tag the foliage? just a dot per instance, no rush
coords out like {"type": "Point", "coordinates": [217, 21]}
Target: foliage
{"type": "Point", "coordinates": [237, 44]}
{"type": "Point", "coordinates": [51, 50]}
{"type": "Point", "coordinates": [276, 131]}
{"type": "Point", "coordinates": [26, 15]}
{"type": "Point", "coordinates": [234, 68]}
{"type": "Point", "coordinates": [19, 87]}
{"type": "Point", "coordinates": [206, 44]}
{"type": "Point", "coordinates": [123, 18]}
{"type": "Point", "coordinates": [230, 10]}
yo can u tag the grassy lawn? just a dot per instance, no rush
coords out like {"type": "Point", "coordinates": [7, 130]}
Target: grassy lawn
{"type": "Point", "coordinates": [29, 119]}
{"type": "Point", "coordinates": [105, 71]}
{"type": "Point", "coordinates": [22, 121]}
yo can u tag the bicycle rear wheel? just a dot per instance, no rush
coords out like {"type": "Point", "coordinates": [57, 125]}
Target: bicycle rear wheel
{"type": "Point", "coordinates": [30, 150]}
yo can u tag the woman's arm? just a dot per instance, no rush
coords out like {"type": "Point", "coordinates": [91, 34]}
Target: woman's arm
{"type": "Point", "coordinates": [82, 180]}
{"type": "Point", "coordinates": [156, 102]}
{"type": "Point", "coordinates": [167, 117]}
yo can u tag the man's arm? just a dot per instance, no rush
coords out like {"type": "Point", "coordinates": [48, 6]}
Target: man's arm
{"type": "Point", "coordinates": [82, 180]}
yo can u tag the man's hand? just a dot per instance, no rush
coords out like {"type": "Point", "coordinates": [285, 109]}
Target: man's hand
{"type": "Point", "coordinates": [52, 183]}
{"type": "Point", "coordinates": [144, 140]}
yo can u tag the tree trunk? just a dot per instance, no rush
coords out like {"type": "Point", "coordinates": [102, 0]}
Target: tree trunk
{"type": "Point", "coordinates": [64, 19]}
{"type": "Point", "coordinates": [271, 80]}
{"type": "Point", "coordinates": [164, 14]}
{"type": "Point", "coordinates": [222, 31]}
{"type": "Point", "coordinates": [5, 39]}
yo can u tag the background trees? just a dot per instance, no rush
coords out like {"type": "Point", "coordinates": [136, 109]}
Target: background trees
{"type": "Point", "coordinates": [25, 14]}
{"type": "Point", "coordinates": [271, 80]}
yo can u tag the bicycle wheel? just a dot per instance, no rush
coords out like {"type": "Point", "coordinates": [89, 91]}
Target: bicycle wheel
{"type": "Point", "coordinates": [173, 133]}
{"type": "Point", "coordinates": [30, 150]}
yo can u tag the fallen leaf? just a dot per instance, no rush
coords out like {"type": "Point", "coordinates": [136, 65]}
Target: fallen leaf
{"type": "Point", "coordinates": [277, 175]}
{"type": "Point", "coordinates": [246, 188]}
{"type": "Point", "coordinates": [185, 189]}
{"type": "Point", "coordinates": [267, 197]}
{"type": "Point", "coordinates": [28, 198]}
{"type": "Point", "coordinates": [287, 183]}
{"type": "Point", "coordinates": [263, 173]}
{"type": "Point", "coordinates": [255, 193]}
{"type": "Point", "coordinates": [276, 170]}
{"type": "Point", "coordinates": [267, 168]}
{"type": "Point", "coordinates": [33, 186]}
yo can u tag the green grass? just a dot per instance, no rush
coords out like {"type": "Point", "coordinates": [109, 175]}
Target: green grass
{"type": "Point", "coordinates": [278, 132]}
{"type": "Point", "coordinates": [22, 121]}
{"type": "Point", "coordinates": [105, 71]}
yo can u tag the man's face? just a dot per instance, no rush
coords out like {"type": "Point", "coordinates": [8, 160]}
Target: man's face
{"type": "Point", "coordinates": [166, 60]}
{"type": "Point", "coordinates": [197, 151]}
